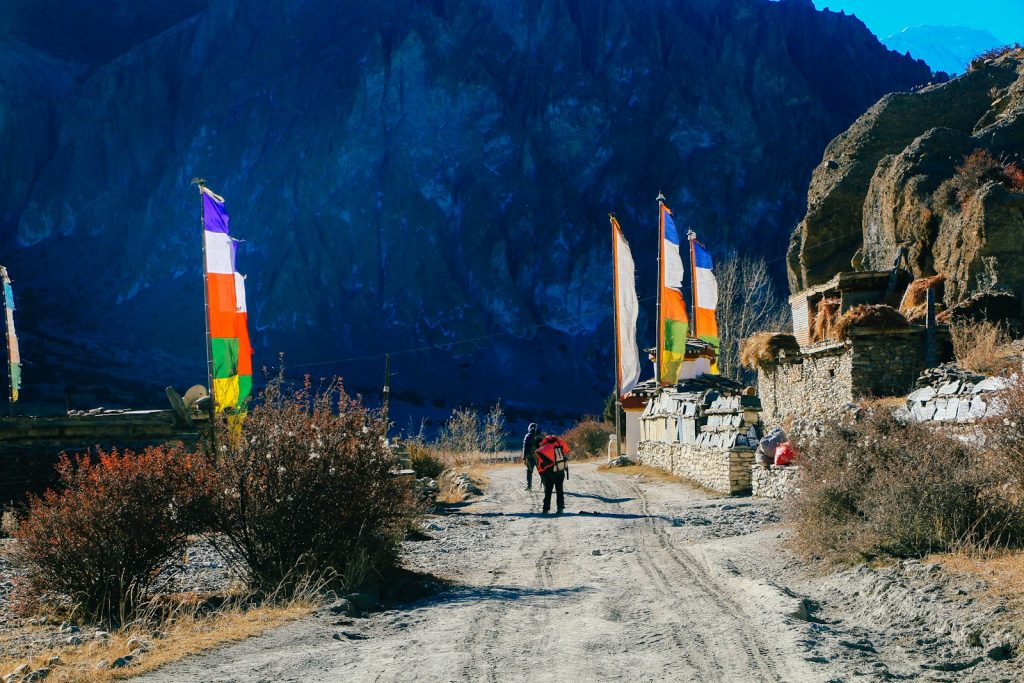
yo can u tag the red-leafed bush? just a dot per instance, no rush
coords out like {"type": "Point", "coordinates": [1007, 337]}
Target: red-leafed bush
{"type": "Point", "coordinates": [99, 542]}
{"type": "Point", "coordinates": [308, 490]}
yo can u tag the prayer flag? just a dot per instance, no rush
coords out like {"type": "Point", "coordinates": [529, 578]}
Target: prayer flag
{"type": "Point", "coordinates": [674, 322]}
{"type": "Point", "coordinates": [626, 311]}
{"type": "Point", "coordinates": [230, 350]}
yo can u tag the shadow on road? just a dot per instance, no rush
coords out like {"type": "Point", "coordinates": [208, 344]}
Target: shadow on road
{"type": "Point", "coordinates": [580, 513]}
{"type": "Point", "coordinates": [503, 593]}
{"type": "Point", "coordinates": [603, 499]}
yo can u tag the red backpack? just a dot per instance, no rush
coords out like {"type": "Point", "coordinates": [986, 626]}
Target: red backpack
{"type": "Point", "coordinates": [552, 454]}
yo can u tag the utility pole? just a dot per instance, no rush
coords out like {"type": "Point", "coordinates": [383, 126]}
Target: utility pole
{"type": "Point", "coordinates": [387, 390]}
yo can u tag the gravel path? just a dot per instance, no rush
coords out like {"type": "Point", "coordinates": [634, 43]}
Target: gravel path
{"type": "Point", "coordinates": [639, 581]}
{"type": "Point", "coordinates": [619, 592]}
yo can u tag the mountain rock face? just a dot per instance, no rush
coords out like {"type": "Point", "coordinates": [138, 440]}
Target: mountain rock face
{"type": "Point", "coordinates": [943, 48]}
{"type": "Point", "coordinates": [428, 177]}
{"type": "Point", "coordinates": [937, 171]}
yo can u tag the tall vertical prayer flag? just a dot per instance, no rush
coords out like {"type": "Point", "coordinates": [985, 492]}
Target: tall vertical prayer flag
{"type": "Point", "coordinates": [626, 311]}
{"type": "Point", "coordinates": [230, 359]}
{"type": "Point", "coordinates": [13, 354]}
{"type": "Point", "coordinates": [705, 297]}
{"type": "Point", "coordinates": [672, 319]}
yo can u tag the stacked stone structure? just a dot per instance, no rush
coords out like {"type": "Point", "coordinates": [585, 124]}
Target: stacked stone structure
{"type": "Point", "coordinates": [774, 481]}
{"type": "Point", "coordinates": [701, 431]}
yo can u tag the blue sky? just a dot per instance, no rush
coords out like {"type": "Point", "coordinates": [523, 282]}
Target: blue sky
{"type": "Point", "coordinates": [1003, 18]}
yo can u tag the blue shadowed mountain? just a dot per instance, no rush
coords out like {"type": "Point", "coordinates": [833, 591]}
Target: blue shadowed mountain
{"type": "Point", "coordinates": [943, 48]}
{"type": "Point", "coordinates": [406, 174]}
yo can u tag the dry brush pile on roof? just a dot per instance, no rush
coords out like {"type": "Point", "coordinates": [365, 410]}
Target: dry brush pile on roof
{"type": "Point", "coordinates": [875, 317]}
{"type": "Point", "coordinates": [914, 304]}
{"type": "Point", "coordinates": [765, 347]}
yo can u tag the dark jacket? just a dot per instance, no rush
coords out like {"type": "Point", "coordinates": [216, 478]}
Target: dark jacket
{"type": "Point", "coordinates": [531, 442]}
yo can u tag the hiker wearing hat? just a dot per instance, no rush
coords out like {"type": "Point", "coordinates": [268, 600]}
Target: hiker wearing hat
{"type": "Point", "coordinates": [531, 442]}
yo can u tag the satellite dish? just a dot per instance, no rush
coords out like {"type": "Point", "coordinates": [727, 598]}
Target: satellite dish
{"type": "Point", "coordinates": [196, 392]}
{"type": "Point", "coordinates": [180, 412]}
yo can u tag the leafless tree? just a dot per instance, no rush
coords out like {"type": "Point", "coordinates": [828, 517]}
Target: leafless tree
{"type": "Point", "coordinates": [747, 303]}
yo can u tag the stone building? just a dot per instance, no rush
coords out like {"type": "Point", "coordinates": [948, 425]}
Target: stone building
{"type": "Point", "coordinates": [827, 374]}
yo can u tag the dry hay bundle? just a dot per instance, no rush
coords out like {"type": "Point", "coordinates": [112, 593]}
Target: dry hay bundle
{"type": "Point", "coordinates": [914, 304]}
{"type": "Point", "coordinates": [877, 317]}
{"type": "Point", "coordinates": [993, 306]}
{"type": "Point", "coordinates": [826, 313]}
{"type": "Point", "coordinates": [764, 347]}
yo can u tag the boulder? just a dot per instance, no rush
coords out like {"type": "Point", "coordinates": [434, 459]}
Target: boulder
{"type": "Point", "coordinates": [890, 182]}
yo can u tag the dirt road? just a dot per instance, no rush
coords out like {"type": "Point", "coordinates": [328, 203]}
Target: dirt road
{"type": "Point", "coordinates": [639, 581]}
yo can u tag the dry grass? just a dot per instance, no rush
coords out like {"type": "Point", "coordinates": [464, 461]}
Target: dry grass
{"type": "Point", "coordinates": [646, 473]}
{"type": "Point", "coordinates": [914, 304]}
{"type": "Point", "coordinates": [875, 317]}
{"type": "Point", "coordinates": [983, 347]}
{"type": "Point", "coordinates": [449, 493]}
{"type": "Point", "coordinates": [187, 635]}
{"type": "Point", "coordinates": [1003, 572]}
{"type": "Point", "coordinates": [764, 347]}
{"type": "Point", "coordinates": [826, 313]}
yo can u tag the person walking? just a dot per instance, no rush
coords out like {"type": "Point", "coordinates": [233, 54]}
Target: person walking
{"type": "Point", "coordinates": [531, 442]}
{"type": "Point", "coordinates": [553, 466]}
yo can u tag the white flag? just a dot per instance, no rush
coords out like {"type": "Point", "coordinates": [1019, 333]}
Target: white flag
{"type": "Point", "coordinates": [626, 310]}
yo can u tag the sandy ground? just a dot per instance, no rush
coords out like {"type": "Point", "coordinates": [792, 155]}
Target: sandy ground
{"type": "Point", "coordinates": [639, 580]}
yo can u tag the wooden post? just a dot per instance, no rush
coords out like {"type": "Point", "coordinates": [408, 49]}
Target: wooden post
{"type": "Point", "coordinates": [929, 333]}
{"type": "Point", "coordinates": [659, 326]}
{"type": "Point", "coordinates": [615, 310]}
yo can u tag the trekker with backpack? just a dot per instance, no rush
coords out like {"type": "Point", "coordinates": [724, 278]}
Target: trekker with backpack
{"type": "Point", "coordinates": [531, 442]}
{"type": "Point", "coordinates": [553, 465]}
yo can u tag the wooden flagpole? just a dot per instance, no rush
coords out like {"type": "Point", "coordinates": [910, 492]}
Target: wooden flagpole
{"type": "Point", "coordinates": [615, 308]}
{"type": "Point", "coordinates": [201, 184]}
{"type": "Point", "coordinates": [660, 330]}
{"type": "Point", "coordinates": [7, 345]}
{"type": "Point", "coordinates": [691, 236]}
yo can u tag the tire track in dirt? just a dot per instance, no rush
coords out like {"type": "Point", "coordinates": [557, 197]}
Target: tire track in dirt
{"type": "Point", "coordinates": [690, 647]}
{"type": "Point", "coordinates": [742, 638]}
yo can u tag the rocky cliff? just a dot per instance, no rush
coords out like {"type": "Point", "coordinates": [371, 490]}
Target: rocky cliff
{"type": "Point", "coordinates": [406, 174]}
{"type": "Point", "coordinates": [937, 171]}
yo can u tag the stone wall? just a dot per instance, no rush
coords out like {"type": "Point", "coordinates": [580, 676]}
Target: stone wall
{"type": "Point", "coordinates": [31, 446]}
{"type": "Point", "coordinates": [725, 471]}
{"type": "Point", "coordinates": [817, 385]}
{"type": "Point", "coordinates": [820, 382]}
{"type": "Point", "coordinates": [773, 482]}
{"type": "Point", "coordinates": [886, 364]}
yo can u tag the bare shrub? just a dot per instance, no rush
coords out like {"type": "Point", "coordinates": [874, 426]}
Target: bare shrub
{"type": "Point", "coordinates": [98, 542]}
{"type": "Point", "coordinates": [1003, 435]}
{"type": "Point", "coordinates": [994, 53]}
{"type": "Point", "coordinates": [879, 486]}
{"type": "Point", "coordinates": [978, 169]}
{"type": "Point", "coordinates": [983, 347]}
{"type": "Point", "coordinates": [9, 523]}
{"type": "Point", "coordinates": [492, 438]}
{"type": "Point", "coordinates": [589, 437]}
{"type": "Point", "coordinates": [748, 302]}
{"type": "Point", "coordinates": [308, 491]}
{"type": "Point", "coordinates": [462, 433]}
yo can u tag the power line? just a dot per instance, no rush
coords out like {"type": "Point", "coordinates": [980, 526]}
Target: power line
{"type": "Point", "coordinates": [457, 342]}
{"type": "Point", "coordinates": [484, 337]}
